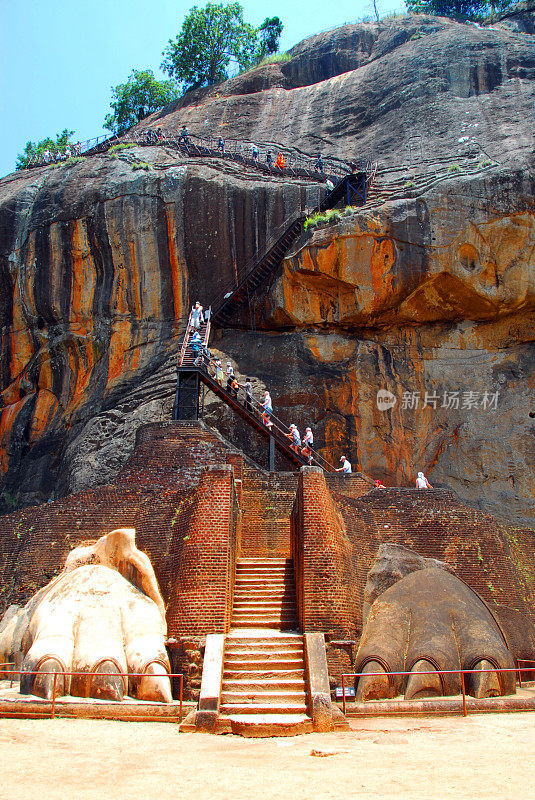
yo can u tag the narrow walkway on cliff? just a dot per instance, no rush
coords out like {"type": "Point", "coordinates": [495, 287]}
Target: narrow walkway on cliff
{"type": "Point", "coordinates": [297, 165]}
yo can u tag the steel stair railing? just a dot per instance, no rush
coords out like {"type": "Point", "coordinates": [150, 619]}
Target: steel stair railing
{"type": "Point", "coordinates": [237, 402]}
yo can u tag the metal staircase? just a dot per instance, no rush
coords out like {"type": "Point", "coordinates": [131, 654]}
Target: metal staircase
{"type": "Point", "coordinates": [352, 188]}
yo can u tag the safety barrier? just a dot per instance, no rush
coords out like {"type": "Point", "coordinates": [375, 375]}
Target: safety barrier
{"type": "Point", "coordinates": [123, 675]}
{"type": "Point", "coordinates": [297, 165]}
{"type": "Point", "coordinates": [7, 664]}
{"type": "Point", "coordinates": [461, 672]}
{"type": "Point", "coordinates": [277, 425]}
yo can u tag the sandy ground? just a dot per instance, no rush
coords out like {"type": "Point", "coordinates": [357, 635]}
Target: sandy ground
{"type": "Point", "coordinates": [484, 756]}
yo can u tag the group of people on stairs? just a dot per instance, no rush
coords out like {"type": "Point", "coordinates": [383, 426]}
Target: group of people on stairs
{"type": "Point", "coordinates": [227, 379]}
{"type": "Point", "coordinates": [280, 161]}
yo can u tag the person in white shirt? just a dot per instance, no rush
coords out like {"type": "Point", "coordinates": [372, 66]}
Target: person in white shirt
{"type": "Point", "coordinates": [295, 438]}
{"type": "Point", "coordinates": [346, 466]}
{"type": "Point", "coordinates": [197, 317]}
{"type": "Point", "coordinates": [422, 482]}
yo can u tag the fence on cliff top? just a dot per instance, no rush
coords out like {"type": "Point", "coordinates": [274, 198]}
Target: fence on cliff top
{"type": "Point", "coordinates": [297, 164]}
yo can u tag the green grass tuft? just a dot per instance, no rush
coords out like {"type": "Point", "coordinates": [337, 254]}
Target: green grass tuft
{"type": "Point", "coordinates": [141, 165]}
{"type": "Point", "coordinates": [334, 215]}
{"type": "Point", "coordinates": [116, 148]}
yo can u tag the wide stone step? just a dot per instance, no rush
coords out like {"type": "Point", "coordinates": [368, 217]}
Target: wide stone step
{"type": "Point", "coordinates": [262, 725]}
{"type": "Point", "coordinates": [262, 708]}
{"type": "Point", "coordinates": [267, 577]}
{"type": "Point", "coordinates": [281, 650]}
{"type": "Point", "coordinates": [247, 578]}
{"type": "Point", "coordinates": [280, 686]}
{"type": "Point", "coordinates": [257, 659]}
{"type": "Point", "coordinates": [264, 588]}
{"type": "Point", "coordinates": [277, 624]}
{"type": "Point", "coordinates": [265, 566]}
{"type": "Point", "coordinates": [263, 605]}
{"type": "Point", "coordinates": [232, 671]}
{"type": "Point", "coordinates": [263, 562]}
{"type": "Point", "coordinates": [253, 695]}
{"type": "Point", "coordinates": [263, 594]}
{"type": "Point", "coordinates": [268, 616]}
{"type": "Point", "coordinates": [263, 655]}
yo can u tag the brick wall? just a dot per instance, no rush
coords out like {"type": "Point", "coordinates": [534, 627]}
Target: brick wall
{"type": "Point", "coordinates": [155, 493]}
{"type": "Point", "coordinates": [203, 557]}
{"type": "Point", "coordinates": [267, 503]}
{"type": "Point", "coordinates": [322, 559]}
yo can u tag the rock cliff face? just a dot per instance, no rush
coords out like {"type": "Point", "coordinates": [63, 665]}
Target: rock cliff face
{"type": "Point", "coordinates": [429, 288]}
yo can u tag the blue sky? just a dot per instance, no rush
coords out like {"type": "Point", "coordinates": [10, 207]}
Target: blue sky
{"type": "Point", "coordinates": [58, 58]}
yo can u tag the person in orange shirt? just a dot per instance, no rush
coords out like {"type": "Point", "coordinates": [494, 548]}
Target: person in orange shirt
{"type": "Point", "coordinates": [281, 161]}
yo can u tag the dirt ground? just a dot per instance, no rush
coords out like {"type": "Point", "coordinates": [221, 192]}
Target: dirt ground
{"type": "Point", "coordinates": [483, 756]}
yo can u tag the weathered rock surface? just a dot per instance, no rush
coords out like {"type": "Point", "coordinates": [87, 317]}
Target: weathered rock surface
{"type": "Point", "coordinates": [392, 563]}
{"type": "Point", "coordinates": [432, 291]}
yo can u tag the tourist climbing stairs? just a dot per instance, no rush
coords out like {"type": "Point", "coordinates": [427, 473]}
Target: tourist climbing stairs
{"type": "Point", "coordinates": [186, 357]}
{"type": "Point", "coordinates": [253, 418]}
{"type": "Point", "coordinates": [263, 689]}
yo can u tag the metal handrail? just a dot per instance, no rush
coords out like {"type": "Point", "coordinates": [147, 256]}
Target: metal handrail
{"type": "Point", "coordinates": [234, 149]}
{"type": "Point", "coordinates": [92, 674]}
{"type": "Point", "coordinates": [461, 672]}
{"type": "Point", "coordinates": [185, 341]}
{"type": "Point", "coordinates": [248, 268]}
{"type": "Point", "coordinates": [281, 427]}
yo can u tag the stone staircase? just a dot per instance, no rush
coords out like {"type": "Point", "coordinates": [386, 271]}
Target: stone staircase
{"type": "Point", "coordinates": [263, 690]}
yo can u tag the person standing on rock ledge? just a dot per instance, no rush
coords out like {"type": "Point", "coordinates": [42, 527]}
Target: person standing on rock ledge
{"type": "Point", "coordinates": [346, 466]}
{"type": "Point", "coordinates": [255, 153]}
{"type": "Point", "coordinates": [184, 137]}
{"type": "Point", "coordinates": [422, 482]}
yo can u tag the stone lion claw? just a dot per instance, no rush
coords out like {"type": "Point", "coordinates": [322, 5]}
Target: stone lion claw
{"type": "Point", "coordinates": [430, 624]}
{"type": "Point", "coordinates": [101, 618]}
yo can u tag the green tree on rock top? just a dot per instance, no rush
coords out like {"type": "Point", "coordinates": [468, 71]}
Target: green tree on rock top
{"type": "Point", "coordinates": [35, 151]}
{"type": "Point", "coordinates": [458, 9]}
{"type": "Point", "coordinates": [139, 96]}
{"type": "Point", "coordinates": [213, 36]}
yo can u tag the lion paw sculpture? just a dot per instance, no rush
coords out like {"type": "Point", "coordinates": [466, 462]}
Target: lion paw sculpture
{"type": "Point", "coordinates": [103, 614]}
{"type": "Point", "coordinates": [422, 619]}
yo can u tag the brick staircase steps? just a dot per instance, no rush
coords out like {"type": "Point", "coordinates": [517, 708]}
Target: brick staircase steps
{"type": "Point", "coordinates": [264, 594]}
{"type": "Point", "coordinates": [263, 690]}
{"type": "Point", "coordinates": [277, 669]}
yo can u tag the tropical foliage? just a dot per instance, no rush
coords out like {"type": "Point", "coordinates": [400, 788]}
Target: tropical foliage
{"type": "Point", "coordinates": [139, 96]}
{"type": "Point", "coordinates": [212, 38]}
{"type": "Point", "coordinates": [35, 151]}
